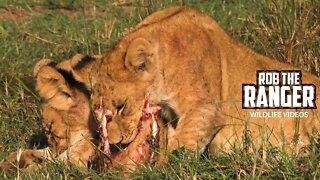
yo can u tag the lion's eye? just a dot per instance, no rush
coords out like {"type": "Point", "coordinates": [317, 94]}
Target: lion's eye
{"type": "Point", "coordinates": [119, 106]}
{"type": "Point", "coordinates": [142, 67]}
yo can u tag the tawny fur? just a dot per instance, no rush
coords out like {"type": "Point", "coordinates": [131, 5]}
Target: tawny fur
{"type": "Point", "coordinates": [66, 118]}
{"type": "Point", "coordinates": [184, 57]}
{"type": "Point", "coordinates": [179, 56]}
{"type": "Point", "coordinates": [68, 122]}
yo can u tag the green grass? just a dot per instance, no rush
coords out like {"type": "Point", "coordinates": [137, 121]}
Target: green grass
{"type": "Point", "coordinates": [30, 30]}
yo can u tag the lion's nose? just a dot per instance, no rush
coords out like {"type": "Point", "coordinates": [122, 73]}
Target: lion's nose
{"type": "Point", "coordinates": [114, 133]}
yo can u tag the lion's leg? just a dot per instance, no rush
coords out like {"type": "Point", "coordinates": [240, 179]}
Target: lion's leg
{"type": "Point", "coordinates": [80, 153]}
{"type": "Point", "coordinates": [163, 142]}
{"type": "Point", "coordinates": [195, 129]}
{"type": "Point", "coordinates": [29, 159]}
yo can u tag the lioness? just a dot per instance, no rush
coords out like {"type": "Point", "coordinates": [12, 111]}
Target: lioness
{"type": "Point", "coordinates": [195, 72]}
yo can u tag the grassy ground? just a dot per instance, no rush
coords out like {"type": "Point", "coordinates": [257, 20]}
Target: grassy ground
{"type": "Point", "coordinates": [30, 30]}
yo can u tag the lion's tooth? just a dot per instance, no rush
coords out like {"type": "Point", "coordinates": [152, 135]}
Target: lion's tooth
{"type": "Point", "coordinates": [154, 127]}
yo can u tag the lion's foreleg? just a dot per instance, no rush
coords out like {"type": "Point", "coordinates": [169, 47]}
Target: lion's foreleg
{"type": "Point", "coordinates": [80, 153]}
{"type": "Point", "coordinates": [196, 129]}
{"type": "Point", "coordinates": [27, 160]}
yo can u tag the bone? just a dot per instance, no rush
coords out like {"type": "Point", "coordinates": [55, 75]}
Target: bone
{"type": "Point", "coordinates": [139, 151]}
{"type": "Point", "coordinates": [102, 117]}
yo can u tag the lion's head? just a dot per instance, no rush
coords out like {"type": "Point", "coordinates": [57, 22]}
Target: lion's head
{"type": "Point", "coordinates": [122, 79]}
{"type": "Point", "coordinates": [65, 99]}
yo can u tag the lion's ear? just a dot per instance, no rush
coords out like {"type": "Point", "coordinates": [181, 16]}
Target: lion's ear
{"type": "Point", "coordinates": [53, 88]}
{"type": "Point", "coordinates": [139, 54]}
{"type": "Point", "coordinates": [81, 68]}
{"type": "Point", "coordinates": [40, 64]}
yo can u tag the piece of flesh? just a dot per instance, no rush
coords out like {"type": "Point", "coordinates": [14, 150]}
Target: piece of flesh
{"type": "Point", "coordinates": [138, 152]}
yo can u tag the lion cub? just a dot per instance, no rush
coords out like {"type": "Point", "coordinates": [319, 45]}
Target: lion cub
{"type": "Point", "coordinates": [67, 118]}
